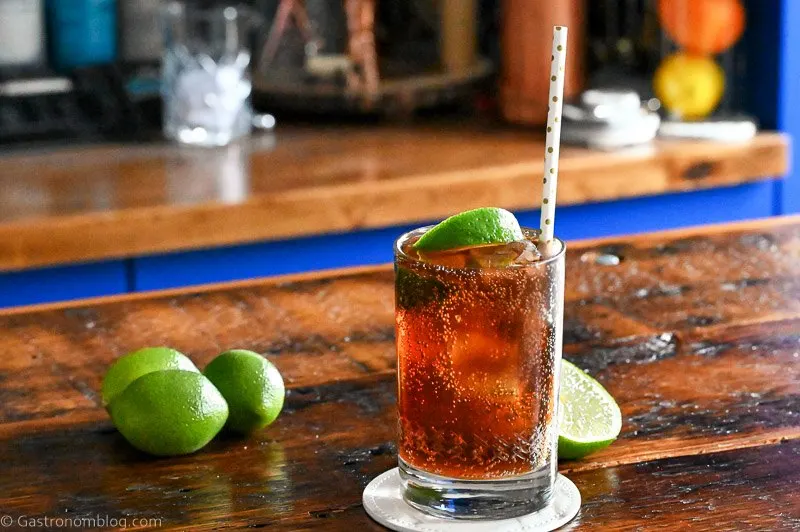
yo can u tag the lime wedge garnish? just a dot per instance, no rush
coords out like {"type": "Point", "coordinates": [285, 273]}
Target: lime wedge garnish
{"type": "Point", "coordinates": [589, 417]}
{"type": "Point", "coordinates": [478, 227]}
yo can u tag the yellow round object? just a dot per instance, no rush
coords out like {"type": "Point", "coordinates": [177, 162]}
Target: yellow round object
{"type": "Point", "coordinates": [689, 86]}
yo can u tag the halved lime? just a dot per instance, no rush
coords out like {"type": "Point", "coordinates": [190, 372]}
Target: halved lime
{"type": "Point", "coordinates": [589, 418]}
{"type": "Point", "coordinates": [478, 227]}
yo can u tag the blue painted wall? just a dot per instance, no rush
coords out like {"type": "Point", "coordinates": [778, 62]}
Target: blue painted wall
{"type": "Point", "coordinates": [788, 100]}
{"type": "Point", "coordinates": [63, 283]}
{"type": "Point", "coordinates": [773, 70]}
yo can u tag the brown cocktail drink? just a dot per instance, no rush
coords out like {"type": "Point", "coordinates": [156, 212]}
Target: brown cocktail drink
{"type": "Point", "coordinates": [479, 349]}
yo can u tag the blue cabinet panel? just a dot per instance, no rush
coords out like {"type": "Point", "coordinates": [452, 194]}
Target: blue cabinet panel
{"type": "Point", "coordinates": [789, 92]}
{"type": "Point", "coordinates": [375, 246]}
{"type": "Point", "coordinates": [269, 258]}
{"type": "Point", "coordinates": [753, 200]}
{"type": "Point", "coordinates": [46, 285]}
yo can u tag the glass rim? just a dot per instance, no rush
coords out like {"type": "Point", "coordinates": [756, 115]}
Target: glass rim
{"type": "Point", "coordinates": [399, 253]}
{"type": "Point", "coordinates": [216, 12]}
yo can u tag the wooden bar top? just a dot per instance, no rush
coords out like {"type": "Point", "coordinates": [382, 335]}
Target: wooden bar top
{"type": "Point", "coordinates": [102, 202]}
{"type": "Point", "coordinates": [695, 332]}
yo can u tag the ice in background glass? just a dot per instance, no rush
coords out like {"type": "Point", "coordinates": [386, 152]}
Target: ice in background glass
{"type": "Point", "coordinates": [205, 80]}
{"type": "Point", "coordinates": [479, 335]}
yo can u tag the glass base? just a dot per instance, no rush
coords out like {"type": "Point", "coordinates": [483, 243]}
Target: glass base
{"type": "Point", "coordinates": [476, 499]}
{"type": "Point", "coordinates": [199, 136]}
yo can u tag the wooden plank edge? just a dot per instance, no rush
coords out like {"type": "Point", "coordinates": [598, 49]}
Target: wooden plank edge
{"type": "Point", "coordinates": [687, 447]}
{"type": "Point", "coordinates": [761, 224]}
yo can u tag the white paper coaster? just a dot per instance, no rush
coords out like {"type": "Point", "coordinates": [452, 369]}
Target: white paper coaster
{"type": "Point", "coordinates": [383, 501]}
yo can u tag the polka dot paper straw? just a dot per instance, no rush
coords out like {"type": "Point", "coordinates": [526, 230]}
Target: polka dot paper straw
{"type": "Point", "coordinates": [553, 138]}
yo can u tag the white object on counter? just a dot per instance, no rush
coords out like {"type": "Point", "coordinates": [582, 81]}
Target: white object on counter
{"type": "Point", "coordinates": [21, 32]}
{"type": "Point", "coordinates": [731, 129]}
{"type": "Point", "coordinates": [608, 119]}
{"type": "Point", "coordinates": [639, 128]}
{"type": "Point", "coordinates": [383, 502]}
{"type": "Point", "coordinates": [36, 86]}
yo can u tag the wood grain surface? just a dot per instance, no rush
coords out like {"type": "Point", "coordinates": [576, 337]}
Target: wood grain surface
{"type": "Point", "coordinates": [696, 333]}
{"type": "Point", "coordinates": [93, 203]}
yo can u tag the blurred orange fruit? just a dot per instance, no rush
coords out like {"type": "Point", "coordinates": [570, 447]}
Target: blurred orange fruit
{"type": "Point", "coordinates": [689, 86]}
{"type": "Point", "coordinates": [702, 26]}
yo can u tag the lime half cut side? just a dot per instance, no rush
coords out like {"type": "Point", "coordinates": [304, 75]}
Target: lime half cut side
{"type": "Point", "coordinates": [478, 227]}
{"type": "Point", "coordinates": [589, 418]}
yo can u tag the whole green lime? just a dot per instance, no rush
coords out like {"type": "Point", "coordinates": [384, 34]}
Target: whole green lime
{"type": "Point", "coordinates": [169, 413]}
{"type": "Point", "coordinates": [252, 386]}
{"type": "Point", "coordinates": [133, 365]}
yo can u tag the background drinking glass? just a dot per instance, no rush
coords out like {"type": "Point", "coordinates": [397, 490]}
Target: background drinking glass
{"type": "Point", "coordinates": [206, 83]}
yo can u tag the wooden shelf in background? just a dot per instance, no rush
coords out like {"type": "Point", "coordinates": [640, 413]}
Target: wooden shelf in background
{"type": "Point", "coordinates": [95, 203]}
